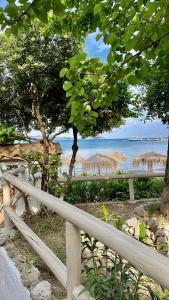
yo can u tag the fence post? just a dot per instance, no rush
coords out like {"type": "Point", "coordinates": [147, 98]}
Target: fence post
{"type": "Point", "coordinates": [6, 202]}
{"type": "Point", "coordinates": [73, 257]}
{"type": "Point", "coordinates": [131, 190]}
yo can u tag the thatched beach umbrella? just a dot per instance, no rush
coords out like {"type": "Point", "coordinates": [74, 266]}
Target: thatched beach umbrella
{"type": "Point", "coordinates": [117, 155]}
{"type": "Point", "coordinates": [150, 159]}
{"type": "Point", "coordinates": [99, 161]}
{"type": "Point", "coordinates": [66, 160]}
{"type": "Point", "coordinates": [79, 159]}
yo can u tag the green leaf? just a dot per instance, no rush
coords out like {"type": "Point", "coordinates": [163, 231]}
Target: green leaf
{"type": "Point", "coordinates": [67, 85]}
{"type": "Point", "coordinates": [58, 7]}
{"type": "Point", "coordinates": [132, 79]}
{"type": "Point", "coordinates": [71, 119]}
{"type": "Point", "coordinates": [94, 114]}
{"type": "Point", "coordinates": [63, 72]}
{"type": "Point", "coordinates": [97, 8]}
{"type": "Point", "coordinates": [11, 9]}
{"type": "Point", "coordinates": [105, 215]}
{"type": "Point", "coordinates": [142, 232]}
{"type": "Point", "coordinates": [113, 38]}
{"type": "Point", "coordinates": [98, 36]}
{"type": "Point", "coordinates": [111, 57]}
{"type": "Point", "coordinates": [76, 60]}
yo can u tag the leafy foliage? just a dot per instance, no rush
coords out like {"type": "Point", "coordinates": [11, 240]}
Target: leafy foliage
{"type": "Point", "coordinates": [136, 33]}
{"type": "Point", "coordinates": [99, 191]}
{"type": "Point", "coordinates": [108, 276]}
{"type": "Point", "coordinates": [7, 134]}
{"type": "Point", "coordinates": [34, 62]}
{"type": "Point", "coordinates": [155, 100]}
{"type": "Point", "coordinates": [36, 167]}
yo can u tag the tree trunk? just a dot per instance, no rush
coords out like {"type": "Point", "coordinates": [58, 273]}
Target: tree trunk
{"type": "Point", "coordinates": [74, 152]}
{"type": "Point", "coordinates": [44, 183]}
{"type": "Point", "coordinates": [167, 167]}
{"type": "Point", "coordinates": [165, 193]}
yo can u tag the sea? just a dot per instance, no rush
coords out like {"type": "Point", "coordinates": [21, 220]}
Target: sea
{"type": "Point", "coordinates": [89, 147]}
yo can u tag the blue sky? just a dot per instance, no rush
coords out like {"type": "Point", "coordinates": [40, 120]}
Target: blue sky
{"type": "Point", "coordinates": [133, 127]}
{"type": "Point", "coordinates": [2, 3]}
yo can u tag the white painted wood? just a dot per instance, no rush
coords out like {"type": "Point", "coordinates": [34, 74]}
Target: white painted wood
{"type": "Point", "coordinates": [80, 293]}
{"type": "Point", "coordinates": [131, 190]}
{"type": "Point", "coordinates": [73, 258]}
{"type": "Point", "coordinates": [20, 207]}
{"type": "Point", "coordinates": [109, 177]}
{"type": "Point", "coordinates": [54, 264]}
{"type": "Point", "coordinates": [6, 203]}
{"type": "Point", "coordinates": [142, 257]}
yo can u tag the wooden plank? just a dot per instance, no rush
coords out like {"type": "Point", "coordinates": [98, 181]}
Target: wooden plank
{"type": "Point", "coordinates": [131, 190]}
{"type": "Point", "coordinates": [142, 257]}
{"type": "Point", "coordinates": [6, 203]}
{"type": "Point", "coordinates": [73, 258]}
{"type": "Point", "coordinates": [110, 177]}
{"type": "Point", "coordinates": [52, 261]}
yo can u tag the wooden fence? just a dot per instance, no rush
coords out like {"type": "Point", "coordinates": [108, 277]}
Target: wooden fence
{"type": "Point", "coordinates": [140, 256]}
{"type": "Point", "coordinates": [129, 177]}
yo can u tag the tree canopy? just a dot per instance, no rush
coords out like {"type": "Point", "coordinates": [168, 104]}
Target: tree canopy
{"type": "Point", "coordinates": [136, 31]}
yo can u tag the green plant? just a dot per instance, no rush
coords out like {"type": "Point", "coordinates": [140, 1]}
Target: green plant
{"type": "Point", "coordinates": [107, 276]}
{"type": "Point", "coordinates": [7, 134]}
{"type": "Point", "coordinates": [154, 208]}
{"type": "Point", "coordinates": [84, 192]}
{"type": "Point", "coordinates": [142, 232]}
{"type": "Point", "coordinates": [113, 218]}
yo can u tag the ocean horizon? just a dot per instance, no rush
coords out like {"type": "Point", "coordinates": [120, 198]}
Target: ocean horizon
{"type": "Point", "coordinates": [89, 147]}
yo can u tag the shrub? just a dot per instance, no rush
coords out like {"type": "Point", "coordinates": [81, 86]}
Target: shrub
{"type": "Point", "coordinates": [108, 276]}
{"type": "Point", "coordinates": [107, 190]}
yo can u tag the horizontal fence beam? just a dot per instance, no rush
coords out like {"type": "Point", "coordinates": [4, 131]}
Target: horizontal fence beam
{"type": "Point", "coordinates": [52, 261]}
{"type": "Point", "coordinates": [110, 177]}
{"type": "Point", "coordinates": [142, 257]}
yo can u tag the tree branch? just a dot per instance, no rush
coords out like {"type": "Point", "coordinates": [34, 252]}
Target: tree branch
{"type": "Point", "coordinates": [140, 52]}
{"type": "Point", "coordinates": [58, 133]}
{"type": "Point", "coordinates": [24, 13]}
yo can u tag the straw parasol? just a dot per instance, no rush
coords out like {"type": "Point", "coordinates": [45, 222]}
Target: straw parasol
{"type": "Point", "coordinates": [99, 161]}
{"type": "Point", "coordinates": [150, 159]}
{"type": "Point", "coordinates": [117, 155]}
{"type": "Point", "coordinates": [66, 159]}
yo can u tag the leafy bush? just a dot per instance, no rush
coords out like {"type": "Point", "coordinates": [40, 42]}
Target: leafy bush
{"type": "Point", "coordinates": [108, 276]}
{"type": "Point", "coordinates": [85, 192]}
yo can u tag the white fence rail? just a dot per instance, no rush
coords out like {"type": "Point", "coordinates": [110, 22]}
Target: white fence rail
{"type": "Point", "coordinates": [140, 256]}
{"type": "Point", "coordinates": [129, 177]}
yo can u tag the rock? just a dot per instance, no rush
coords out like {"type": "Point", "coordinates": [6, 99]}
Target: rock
{"type": "Point", "coordinates": [131, 230]}
{"type": "Point", "coordinates": [152, 224]}
{"type": "Point", "coordinates": [149, 241]}
{"type": "Point", "coordinates": [124, 228]}
{"type": "Point", "coordinates": [132, 222]}
{"type": "Point", "coordinates": [162, 243]}
{"type": "Point", "coordinates": [149, 233]}
{"type": "Point", "coordinates": [160, 232]}
{"type": "Point", "coordinates": [30, 276]}
{"type": "Point", "coordinates": [12, 234]}
{"type": "Point", "coordinates": [20, 262]}
{"type": "Point", "coordinates": [42, 291]}
{"type": "Point", "coordinates": [3, 238]}
{"type": "Point", "coordinates": [12, 251]}
{"type": "Point", "coordinates": [140, 211]}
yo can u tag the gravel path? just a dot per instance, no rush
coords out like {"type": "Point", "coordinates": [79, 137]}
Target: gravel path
{"type": "Point", "coordinates": [11, 287]}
